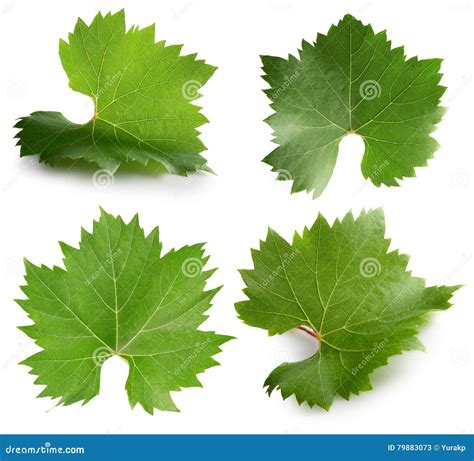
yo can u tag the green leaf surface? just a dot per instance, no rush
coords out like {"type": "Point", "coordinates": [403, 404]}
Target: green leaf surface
{"type": "Point", "coordinates": [351, 81]}
{"type": "Point", "coordinates": [341, 285]}
{"type": "Point", "coordinates": [143, 95]}
{"type": "Point", "coordinates": [118, 296]}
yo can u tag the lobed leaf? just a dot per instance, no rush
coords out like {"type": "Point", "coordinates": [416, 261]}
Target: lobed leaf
{"type": "Point", "coordinates": [351, 81]}
{"type": "Point", "coordinates": [341, 285]}
{"type": "Point", "coordinates": [119, 296]}
{"type": "Point", "coordinates": [142, 93]}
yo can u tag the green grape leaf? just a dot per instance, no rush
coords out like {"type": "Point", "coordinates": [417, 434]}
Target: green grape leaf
{"type": "Point", "coordinates": [340, 284]}
{"type": "Point", "coordinates": [118, 296]}
{"type": "Point", "coordinates": [143, 95]}
{"type": "Point", "coordinates": [351, 81]}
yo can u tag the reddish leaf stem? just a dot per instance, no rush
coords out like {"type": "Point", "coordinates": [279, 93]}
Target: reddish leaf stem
{"type": "Point", "coordinates": [309, 332]}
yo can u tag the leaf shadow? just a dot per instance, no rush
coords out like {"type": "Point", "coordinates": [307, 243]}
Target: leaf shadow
{"type": "Point", "coordinates": [83, 167]}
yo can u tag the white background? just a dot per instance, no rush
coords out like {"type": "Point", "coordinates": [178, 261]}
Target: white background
{"type": "Point", "coordinates": [429, 217]}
